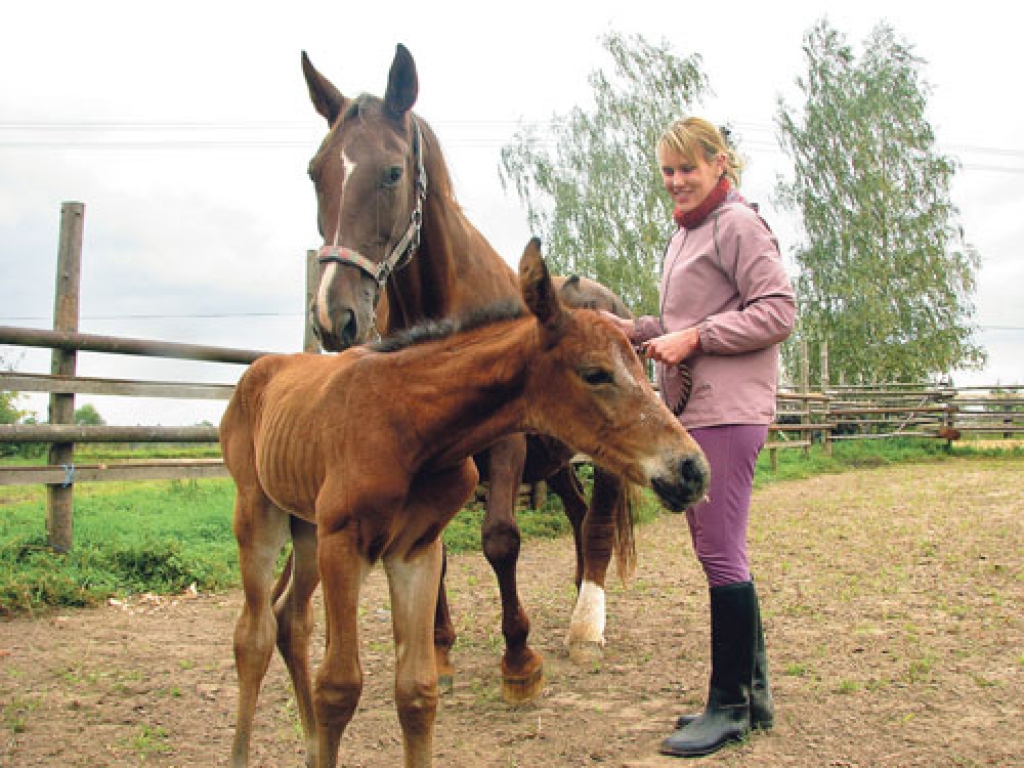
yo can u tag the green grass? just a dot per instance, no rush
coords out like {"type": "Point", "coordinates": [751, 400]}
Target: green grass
{"type": "Point", "coordinates": [129, 538]}
{"type": "Point", "coordinates": [163, 536]}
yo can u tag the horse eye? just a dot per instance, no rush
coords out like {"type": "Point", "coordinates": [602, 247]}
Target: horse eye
{"type": "Point", "coordinates": [595, 377]}
{"type": "Point", "coordinates": [392, 175]}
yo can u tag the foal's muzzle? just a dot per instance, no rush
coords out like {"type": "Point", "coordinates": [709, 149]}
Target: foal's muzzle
{"type": "Point", "coordinates": [685, 485]}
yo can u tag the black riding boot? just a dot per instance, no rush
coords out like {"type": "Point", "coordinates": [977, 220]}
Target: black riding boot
{"type": "Point", "coordinates": [733, 641]}
{"type": "Point", "coordinates": [762, 708]}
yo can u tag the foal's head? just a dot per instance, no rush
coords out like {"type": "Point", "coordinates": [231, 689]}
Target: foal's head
{"type": "Point", "coordinates": [370, 185]}
{"type": "Point", "coordinates": [588, 389]}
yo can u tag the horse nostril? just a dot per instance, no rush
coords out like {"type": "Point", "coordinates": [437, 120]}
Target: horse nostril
{"type": "Point", "coordinates": [691, 470]}
{"type": "Point", "coordinates": [694, 473]}
{"type": "Point", "coordinates": [349, 328]}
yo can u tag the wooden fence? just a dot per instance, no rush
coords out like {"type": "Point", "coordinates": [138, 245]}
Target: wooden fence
{"type": "Point", "coordinates": [62, 384]}
{"type": "Point", "coordinates": [805, 417]}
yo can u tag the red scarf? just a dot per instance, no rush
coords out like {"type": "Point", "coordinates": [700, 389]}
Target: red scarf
{"type": "Point", "coordinates": [690, 219]}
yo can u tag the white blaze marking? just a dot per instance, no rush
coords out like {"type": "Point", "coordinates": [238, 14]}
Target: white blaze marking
{"type": "Point", "coordinates": [323, 315]}
{"type": "Point", "coordinates": [323, 309]}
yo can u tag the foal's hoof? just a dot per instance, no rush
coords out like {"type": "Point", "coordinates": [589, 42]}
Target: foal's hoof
{"type": "Point", "coordinates": [519, 689]}
{"type": "Point", "coordinates": [584, 653]}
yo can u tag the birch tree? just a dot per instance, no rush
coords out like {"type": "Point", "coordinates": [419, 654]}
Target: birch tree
{"type": "Point", "coordinates": [886, 277]}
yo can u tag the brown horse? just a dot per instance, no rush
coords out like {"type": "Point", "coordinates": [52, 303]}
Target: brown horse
{"type": "Point", "coordinates": [393, 230]}
{"type": "Point", "coordinates": [314, 443]}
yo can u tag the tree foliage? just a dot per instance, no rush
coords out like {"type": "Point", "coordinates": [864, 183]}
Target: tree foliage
{"type": "Point", "coordinates": [592, 191]}
{"type": "Point", "coordinates": [89, 416]}
{"type": "Point", "coordinates": [10, 413]}
{"type": "Point", "coordinates": [886, 278]}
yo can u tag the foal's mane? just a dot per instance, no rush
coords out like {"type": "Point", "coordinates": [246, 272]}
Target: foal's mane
{"type": "Point", "coordinates": [436, 330]}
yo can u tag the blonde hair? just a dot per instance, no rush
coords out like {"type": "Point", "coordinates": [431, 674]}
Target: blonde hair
{"type": "Point", "coordinates": [693, 136]}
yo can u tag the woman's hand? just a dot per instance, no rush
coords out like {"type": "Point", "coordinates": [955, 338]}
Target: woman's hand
{"type": "Point", "coordinates": [673, 348]}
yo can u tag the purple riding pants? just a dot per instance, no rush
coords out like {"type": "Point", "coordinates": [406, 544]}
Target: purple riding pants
{"type": "Point", "coordinates": [718, 525]}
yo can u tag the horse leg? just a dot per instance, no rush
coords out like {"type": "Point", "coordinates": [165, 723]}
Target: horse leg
{"type": "Point", "coordinates": [339, 681]}
{"type": "Point", "coordinates": [569, 490]}
{"type": "Point", "coordinates": [607, 529]}
{"type": "Point", "coordinates": [522, 669]}
{"type": "Point", "coordinates": [294, 612]}
{"type": "Point", "coordinates": [444, 632]}
{"type": "Point", "coordinates": [261, 530]}
{"type": "Point", "coordinates": [413, 582]}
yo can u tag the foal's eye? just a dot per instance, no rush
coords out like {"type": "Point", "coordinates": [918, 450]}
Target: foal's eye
{"type": "Point", "coordinates": [595, 377]}
{"type": "Point", "coordinates": [392, 175]}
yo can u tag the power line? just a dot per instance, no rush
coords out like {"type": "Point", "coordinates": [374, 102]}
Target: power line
{"type": "Point", "coordinates": [181, 131]}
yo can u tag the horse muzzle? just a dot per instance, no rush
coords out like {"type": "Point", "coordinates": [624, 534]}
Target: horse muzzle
{"type": "Point", "coordinates": [684, 484]}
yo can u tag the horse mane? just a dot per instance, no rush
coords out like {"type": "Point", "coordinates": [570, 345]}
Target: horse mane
{"type": "Point", "coordinates": [439, 178]}
{"type": "Point", "coordinates": [437, 330]}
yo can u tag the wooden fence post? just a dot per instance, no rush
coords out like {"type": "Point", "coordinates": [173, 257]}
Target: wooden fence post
{"type": "Point", "coordinates": [826, 438]}
{"type": "Point", "coordinates": [60, 497]}
{"type": "Point", "coordinates": [309, 342]}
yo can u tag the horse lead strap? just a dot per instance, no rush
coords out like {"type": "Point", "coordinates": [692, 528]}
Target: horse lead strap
{"type": "Point", "coordinates": [403, 250]}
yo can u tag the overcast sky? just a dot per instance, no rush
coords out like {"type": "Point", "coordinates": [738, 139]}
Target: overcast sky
{"type": "Point", "coordinates": [186, 129]}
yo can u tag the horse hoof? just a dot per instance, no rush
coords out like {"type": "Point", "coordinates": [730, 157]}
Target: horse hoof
{"type": "Point", "coordinates": [584, 653]}
{"type": "Point", "coordinates": [445, 684]}
{"type": "Point", "coordinates": [517, 689]}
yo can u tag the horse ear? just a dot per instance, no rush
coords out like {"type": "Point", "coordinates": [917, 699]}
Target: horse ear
{"type": "Point", "coordinates": [403, 85]}
{"type": "Point", "coordinates": [539, 292]}
{"type": "Point", "coordinates": [327, 99]}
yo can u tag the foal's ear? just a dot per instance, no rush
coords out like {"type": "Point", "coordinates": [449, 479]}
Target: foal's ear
{"type": "Point", "coordinates": [539, 292]}
{"type": "Point", "coordinates": [327, 99]}
{"type": "Point", "coordinates": [403, 85]}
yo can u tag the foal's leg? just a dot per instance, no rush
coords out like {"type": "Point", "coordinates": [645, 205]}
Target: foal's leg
{"type": "Point", "coordinates": [413, 582]}
{"type": "Point", "coordinates": [294, 613]}
{"type": "Point", "coordinates": [339, 681]}
{"type": "Point", "coordinates": [261, 530]}
{"type": "Point", "coordinates": [522, 669]}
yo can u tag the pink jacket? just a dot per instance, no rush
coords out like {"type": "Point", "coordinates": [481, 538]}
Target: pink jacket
{"type": "Point", "coordinates": [726, 277]}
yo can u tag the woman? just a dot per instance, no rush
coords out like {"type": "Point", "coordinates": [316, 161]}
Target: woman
{"type": "Point", "coordinates": [726, 304]}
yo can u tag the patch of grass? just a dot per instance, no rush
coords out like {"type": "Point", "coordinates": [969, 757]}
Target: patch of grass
{"type": "Point", "coordinates": [16, 713]}
{"type": "Point", "coordinates": [151, 740]}
{"type": "Point", "coordinates": [795, 669]}
{"type": "Point", "coordinates": [847, 687]}
{"type": "Point", "coordinates": [129, 538]}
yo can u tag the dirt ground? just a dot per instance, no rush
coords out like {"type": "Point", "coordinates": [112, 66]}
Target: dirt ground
{"type": "Point", "coordinates": [892, 603]}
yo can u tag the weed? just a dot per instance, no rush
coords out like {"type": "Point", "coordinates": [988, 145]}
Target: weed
{"type": "Point", "coordinates": [920, 670]}
{"type": "Point", "coordinates": [847, 687]}
{"type": "Point", "coordinates": [151, 741]}
{"type": "Point", "coordinates": [16, 712]}
{"type": "Point", "coordinates": [796, 669]}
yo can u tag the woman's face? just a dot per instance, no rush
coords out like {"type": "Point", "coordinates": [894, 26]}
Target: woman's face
{"type": "Point", "coordinates": [689, 181]}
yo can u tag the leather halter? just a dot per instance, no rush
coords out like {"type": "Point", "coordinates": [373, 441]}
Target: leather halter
{"type": "Point", "coordinates": [403, 250]}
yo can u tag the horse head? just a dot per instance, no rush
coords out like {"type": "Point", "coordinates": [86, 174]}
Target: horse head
{"type": "Point", "coordinates": [370, 187]}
